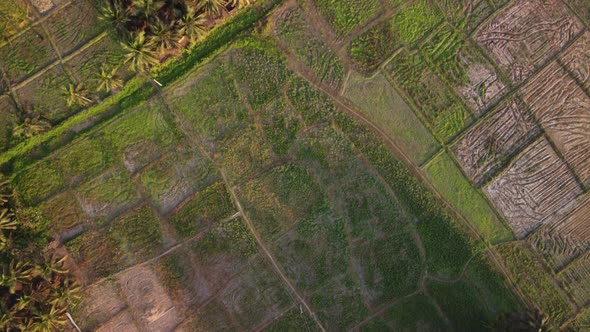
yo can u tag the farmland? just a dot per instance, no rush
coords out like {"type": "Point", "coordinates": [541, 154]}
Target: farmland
{"type": "Point", "coordinates": [305, 165]}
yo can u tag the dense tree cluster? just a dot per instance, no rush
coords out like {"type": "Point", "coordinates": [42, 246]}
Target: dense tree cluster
{"type": "Point", "coordinates": [35, 289]}
{"type": "Point", "coordinates": [151, 28]}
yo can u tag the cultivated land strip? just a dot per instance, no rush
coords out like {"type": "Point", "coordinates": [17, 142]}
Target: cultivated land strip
{"type": "Point", "coordinates": [197, 143]}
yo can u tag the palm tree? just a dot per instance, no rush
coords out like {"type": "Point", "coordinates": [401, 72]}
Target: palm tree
{"type": "Point", "coordinates": [115, 15]}
{"type": "Point", "coordinates": [240, 3]}
{"type": "Point", "coordinates": [3, 195]}
{"type": "Point", "coordinates": [108, 79]}
{"type": "Point", "coordinates": [212, 7]}
{"type": "Point", "coordinates": [163, 37]}
{"type": "Point", "coordinates": [140, 53]}
{"type": "Point", "coordinates": [14, 274]}
{"type": "Point", "coordinates": [7, 222]}
{"type": "Point", "coordinates": [31, 127]}
{"type": "Point", "coordinates": [146, 8]}
{"type": "Point", "coordinates": [76, 95]}
{"type": "Point", "coordinates": [192, 25]}
{"type": "Point", "coordinates": [49, 321]}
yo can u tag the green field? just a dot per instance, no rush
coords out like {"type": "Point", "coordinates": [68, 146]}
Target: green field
{"type": "Point", "coordinates": [449, 180]}
{"type": "Point", "coordinates": [289, 169]}
{"type": "Point", "coordinates": [381, 104]}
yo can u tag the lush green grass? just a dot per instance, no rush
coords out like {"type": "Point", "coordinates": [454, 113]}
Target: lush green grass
{"type": "Point", "coordinates": [466, 15]}
{"type": "Point", "coordinates": [384, 107]}
{"type": "Point", "coordinates": [344, 16]}
{"type": "Point", "coordinates": [535, 281]}
{"type": "Point", "coordinates": [311, 104]}
{"type": "Point", "coordinates": [296, 33]}
{"type": "Point", "coordinates": [232, 237]}
{"type": "Point", "coordinates": [83, 159]}
{"type": "Point", "coordinates": [38, 182]}
{"type": "Point", "coordinates": [280, 126]}
{"type": "Point", "coordinates": [449, 180]}
{"type": "Point", "coordinates": [207, 207]}
{"type": "Point", "coordinates": [415, 20]}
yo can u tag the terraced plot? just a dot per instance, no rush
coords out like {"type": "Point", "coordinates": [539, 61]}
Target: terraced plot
{"type": "Point", "coordinates": [526, 35]}
{"type": "Point", "coordinates": [564, 240]}
{"type": "Point", "coordinates": [563, 110]}
{"type": "Point", "coordinates": [577, 60]}
{"type": "Point", "coordinates": [439, 106]}
{"type": "Point", "coordinates": [532, 190]}
{"type": "Point", "coordinates": [455, 60]}
{"type": "Point", "coordinates": [486, 148]}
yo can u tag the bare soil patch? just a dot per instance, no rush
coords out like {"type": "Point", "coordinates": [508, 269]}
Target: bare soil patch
{"type": "Point", "coordinates": [577, 60]}
{"type": "Point", "coordinates": [486, 147]}
{"type": "Point", "coordinates": [533, 188]}
{"type": "Point", "coordinates": [148, 299]}
{"type": "Point", "coordinates": [563, 109]}
{"type": "Point", "coordinates": [527, 34]}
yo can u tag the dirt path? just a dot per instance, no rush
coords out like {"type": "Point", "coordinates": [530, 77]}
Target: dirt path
{"type": "Point", "coordinates": [268, 254]}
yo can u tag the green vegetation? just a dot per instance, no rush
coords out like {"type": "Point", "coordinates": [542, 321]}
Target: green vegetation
{"type": "Point", "coordinates": [383, 106]}
{"type": "Point", "coordinates": [36, 289]}
{"type": "Point", "coordinates": [417, 312]}
{"type": "Point", "coordinates": [449, 180]}
{"type": "Point", "coordinates": [206, 207]}
{"type": "Point", "coordinates": [535, 281]}
{"type": "Point", "coordinates": [346, 16]}
{"type": "Point", "coordinates": [413, 21]}
{"type": "Point", "coordinates": [369, 49]}
{"type": "Point", "coordinates": [441, 107]}
{"type": "Point", "coordinates": [296, 34]}
{"type": "Point", "coordinates": [138, 234]}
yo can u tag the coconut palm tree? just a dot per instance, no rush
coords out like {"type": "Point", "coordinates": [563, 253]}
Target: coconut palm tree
{"type": "Point", "coordinates": [140, 53]}
{"type": "Point", "coordinates": [192, 25]}
{"type": "Point", "coordinates": [7, 221]}
{"type": "Point", "coordinates": [240, 3]}
{"type": "Point", "coordinates": [76, 95]}
{"type": "Point", "coordinates": [163, 36]}
{"type": "Point", "coordinates": [108, 80]}
{"type": "Point", "coordinates": [48, 321]}
{"type": "Point", "coordinates": [15, 274]}
{"type": "Point", "coordinates": [211, 7]}
{"type": "Point", "coordinates": [115, 15]}
{"type": "Point", "coordinates": [31, 127]}
{"type": "Point", "coordinates": [4, 196]}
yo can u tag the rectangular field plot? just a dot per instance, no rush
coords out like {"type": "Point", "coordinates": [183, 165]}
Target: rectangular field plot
{"type": "Point", "coordinates": [486, 148]}
{"type": "Point", "coordinates": [450, 181]}
{"type": "Point", "coordinates": [295, 32]}
{"type": "Point", "coordinates": [209, 102]}
{"type": "Point", "coordinates": [414, 19]}
{"type": "Point", "coordinates": [577, 59]}
{"type": "Point", "coordinates": [563, 110]}
{"type": "Point", "coordinates": [45, 96]}
{"type": "Point", "coordinates": [532, 190]}
{"type": "Point", "coordinates": [564, 240]}
{"type": "Point", "coordinates": [176, 176]}
{"type": "Point", "coordinates": [457, 61]}
{"type": "Point", "coordinates": [27, 54]}
{"type": "Point", "coordinates": [385, 107]}
{"type": "Point", "coordinates": [108, 195]}
{"type": "Point", "coordinates": [439, 105]}
{"type": "Point", "coordinates": [527, 34]}
{"type": "Point", "coordinates": [66, 216]}
{"type": "Point", "coordinates": [86, 65]}
{"type": "Point", "coordinates": [74, 25]}
{"type": "Point", "coordinates": [371, 48]}
{"type": "Point", "coordinates": [575, 279]}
